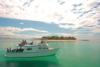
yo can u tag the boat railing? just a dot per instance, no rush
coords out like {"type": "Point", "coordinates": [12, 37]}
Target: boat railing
{"type": "Point", "coordinates": [14, 50]}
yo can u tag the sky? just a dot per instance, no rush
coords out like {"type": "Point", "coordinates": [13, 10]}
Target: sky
{"type": "Point", "coordinates": [25, 18]}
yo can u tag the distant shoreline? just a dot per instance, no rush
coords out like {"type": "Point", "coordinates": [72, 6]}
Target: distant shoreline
{"type": "Point", "coordinates": [56, 39]}
{"type": "Point", "coordinates": [60, 40]}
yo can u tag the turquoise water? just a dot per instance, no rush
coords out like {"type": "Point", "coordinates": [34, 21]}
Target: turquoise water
{"type": "Point", "coordinates": [70, 54]}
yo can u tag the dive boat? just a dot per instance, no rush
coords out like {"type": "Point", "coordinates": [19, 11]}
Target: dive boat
{"type": "Point", "coordinates": [25, 49]}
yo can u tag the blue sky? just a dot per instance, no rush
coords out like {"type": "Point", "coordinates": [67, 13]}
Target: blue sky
{"type": "Point", "coordinates": [80, 18]}
{"type": "Point", "coordinates": [51, 29]}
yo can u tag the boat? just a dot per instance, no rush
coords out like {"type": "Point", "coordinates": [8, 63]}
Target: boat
{"type": "Point", "coordinates": [25, 49]}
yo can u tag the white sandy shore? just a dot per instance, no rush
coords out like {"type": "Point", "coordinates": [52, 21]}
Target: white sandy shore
{"type": "Point", "coordinates": [61, 40]}
{"type": "Point", "coordinates": [77, 40]}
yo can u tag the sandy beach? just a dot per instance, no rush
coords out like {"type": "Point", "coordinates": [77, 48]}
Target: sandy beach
{"type": "Point", "coordinates": [60, 40]}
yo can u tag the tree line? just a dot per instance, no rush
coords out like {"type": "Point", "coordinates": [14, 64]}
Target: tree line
{"type": "Point", "coordinates": [59, 37]}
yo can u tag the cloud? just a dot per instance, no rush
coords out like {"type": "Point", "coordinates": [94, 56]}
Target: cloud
{"type": "Point", "coordinates": [45, 10]}
{"type": "Point", "coordinates": [64, 13]}
{"type": "Point", "coordinates": [14, 31]}
{"type": "Point", "coordinates": [27, 2]}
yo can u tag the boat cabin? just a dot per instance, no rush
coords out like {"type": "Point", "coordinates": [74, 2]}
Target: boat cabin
{"type": "Point", "coordinates": [29, 47]}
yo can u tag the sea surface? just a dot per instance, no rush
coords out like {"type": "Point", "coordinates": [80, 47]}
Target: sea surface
{"type": "Point", "coordinates": [70, 54]}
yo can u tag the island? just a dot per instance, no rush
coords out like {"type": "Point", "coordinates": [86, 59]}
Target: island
{"type": "Point", "coordinates": [58, 38]}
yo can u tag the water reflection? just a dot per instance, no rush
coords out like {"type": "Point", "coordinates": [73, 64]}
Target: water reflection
{"type": "Point", "coordinates": [50, 61]}
{"type": "Point", "coordinates": [28, 64]}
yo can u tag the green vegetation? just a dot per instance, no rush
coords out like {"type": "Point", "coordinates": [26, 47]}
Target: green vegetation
{"type": "Point", "coordinates": [59, 38]}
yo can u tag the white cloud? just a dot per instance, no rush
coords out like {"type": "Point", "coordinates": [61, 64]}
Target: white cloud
{"type": "Point", "coordinates": [13, 31]}
{"type": "Point", "coordinates": [85, 12]}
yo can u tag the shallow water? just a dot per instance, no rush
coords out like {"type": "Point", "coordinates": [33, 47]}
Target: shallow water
{"type": "Point", "coordinates": [70, 54]}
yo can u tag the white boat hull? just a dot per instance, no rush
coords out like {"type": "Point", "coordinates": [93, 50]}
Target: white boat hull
{"type": "Point", "coordinates": [32, 54]}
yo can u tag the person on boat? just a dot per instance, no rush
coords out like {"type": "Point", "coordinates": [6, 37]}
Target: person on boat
{"type": "Point", "coordinates": [31, 43]}
{"type": "Point", "coordinates": [42, 41]}
{"type": "Point", "coordinates": [8, 49]}
{"type": "Point", "coordinates": [44, 44]}
{"type": "Point", "coordinates": [24, 42]}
